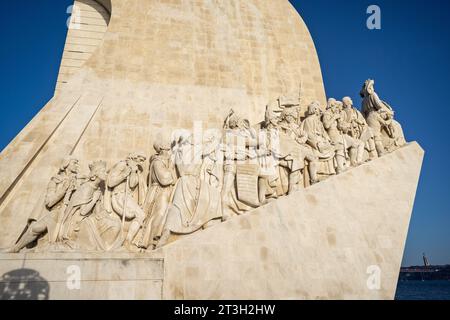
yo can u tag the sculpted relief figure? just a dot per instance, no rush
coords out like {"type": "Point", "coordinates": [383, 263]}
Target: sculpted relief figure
{"type": "Point", "coordinates": [57, 198]}
{"type": "Point", "coordinates": [380, 117]}
{"type": "Point", "coordinates": [354, 124]}
{"type": "Point", "coordinates": [318, 138]}
{"type": "Point", "coordinates": [239, 143]}
{"type": "Point", "coordinates": [332, 121]}
{"type": "Point", "coordinates": [294, 152]}
{"type": "Point", "coordinates": [81, 204]}
{"type": "Point", "coordinates": [195, 202]}
{"type": "Point", "coordinates": [162, 179]}
{"type": "Point", "coordinates": [125, 179]}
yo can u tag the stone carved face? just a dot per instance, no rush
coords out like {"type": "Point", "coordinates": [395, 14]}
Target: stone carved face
{"type": "Point", "coordinates": [289, 116]}
{"type": "Point", "coordinates": [313, 109]}
{"type": "Point", "coordinates": [347, 101]}
{"type": "Point", "coordinates": [332, 104]}
{"type": "Point", "coordinates": [98, 171]}
{"type": "Point", "coordinates": [137, 159]}
{"type": "Point", "coordinates": [368, 88]}
{"type": "Point", "coordinates": [73, 166]}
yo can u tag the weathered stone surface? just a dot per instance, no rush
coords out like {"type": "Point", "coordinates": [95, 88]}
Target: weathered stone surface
{"type": "Point", "coordinates": [101, 276]}
{"type": "Point", "coordinates": [316, 244]}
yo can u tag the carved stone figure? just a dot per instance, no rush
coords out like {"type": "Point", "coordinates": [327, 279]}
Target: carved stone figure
{"type": "Point", "coordinates": [81, 204]}
{"type": "Point", "coordinates": [195, 201]}
{"type": "Point", "coordinates": [294, 152]}
{"type": "Point", "coordinates": [380, 117]}
{"type": "Point", "coordinates": [318, 138]}
{"type": "Point", "coordinates": [354, 124]}
{"type": "Point", "coordinates": [239, 141]}
{"type": "Point", "coordinates": [100, 231]}
{"type": "Point", "coordinates": [59, 192]}
{"type": "Point", "coordinates": [124, 179]}
{"type": "Point", "coordinates": [342, 142]}
{"type": "Point", "coordinates": [163, 177]}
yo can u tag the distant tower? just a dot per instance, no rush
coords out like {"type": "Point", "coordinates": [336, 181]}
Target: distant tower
{"type": "Point", "coordinates": [426, 263]}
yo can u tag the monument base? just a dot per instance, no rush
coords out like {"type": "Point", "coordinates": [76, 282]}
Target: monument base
{"type": "Point", "coordinates": [73, 276]}
{"type": "Point", "coordinates": [340, 239]}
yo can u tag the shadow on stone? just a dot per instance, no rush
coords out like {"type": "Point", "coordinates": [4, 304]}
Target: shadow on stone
{"type": "Point", "coordinates": [23, 284]}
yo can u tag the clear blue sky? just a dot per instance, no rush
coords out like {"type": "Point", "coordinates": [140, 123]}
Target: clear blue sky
{"type": "Point", "coordinates": [408, 58]}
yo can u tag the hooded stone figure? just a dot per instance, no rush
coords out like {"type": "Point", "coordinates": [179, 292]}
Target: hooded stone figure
{"type": "Point", "coordinates": [380, 117]}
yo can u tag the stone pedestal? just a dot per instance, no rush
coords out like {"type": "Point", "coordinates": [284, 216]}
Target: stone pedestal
{"type": "Point", "coordinates": [81, 276]}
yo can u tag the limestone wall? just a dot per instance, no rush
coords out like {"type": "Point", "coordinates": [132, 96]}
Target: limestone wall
{"type": "Point", "coordinates": [88, 24]}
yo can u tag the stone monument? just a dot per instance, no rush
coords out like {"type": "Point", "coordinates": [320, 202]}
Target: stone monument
{"type": "Point", "coordinates": [189, 152]}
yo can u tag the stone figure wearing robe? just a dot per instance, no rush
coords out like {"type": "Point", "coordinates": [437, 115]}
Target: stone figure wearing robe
{"type": "Point", "coordinates": [294, 152]}
{"type": "Point", "coordinates": [81, 204]}
{"type": "Point", "coordinates": [195, 202]}
{"type": "Point", "coordinates": [332, 120]}
{"type": "Point", "coordinates": [59, 192]}
{"type": "Point", "coordinates": [318, 138]}
{"type": "Point", "coordinates": [380, 117]}
{"type": "Point", "coordinates": [125, 179]}
{"type": "Point", "coordinates": [100, 231]}
{"type": "Point", "coordinates": [162, 177]}
{"type": "Point", "coordinates": [239, 141]}
{"type": "Point", "coordinates": [355, 125]}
